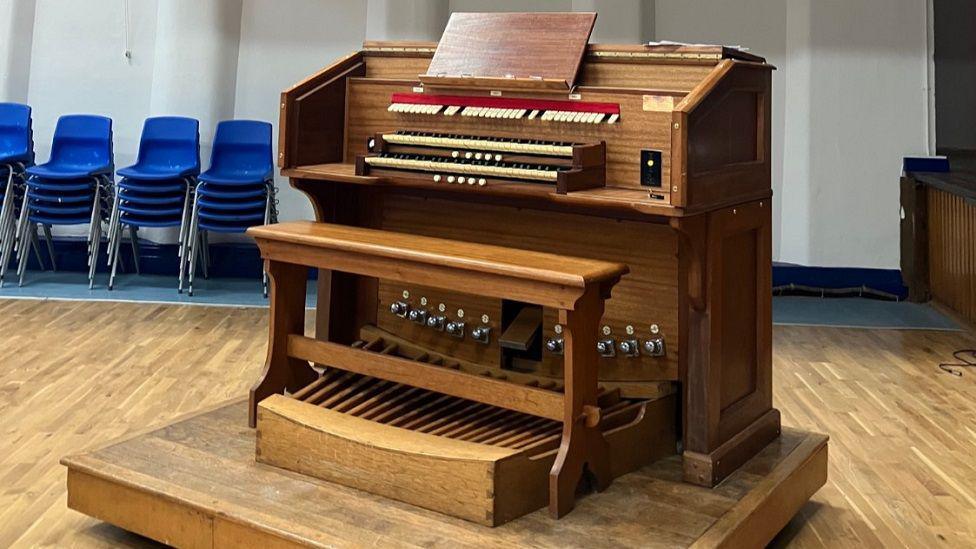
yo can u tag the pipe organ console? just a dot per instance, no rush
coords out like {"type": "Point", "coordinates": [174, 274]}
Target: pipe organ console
{"type": "Point", "coordinates": [652, 157]}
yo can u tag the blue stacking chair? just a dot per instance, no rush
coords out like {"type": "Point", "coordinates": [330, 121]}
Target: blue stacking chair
{"type": "Point", "coordinates": [156, 191]}
{"type": "Point", "coordinates": [72, 188]}
{"type": "Point", "coordinates": [235, 193]}
{"type": "Point", "coordinates": [16, 155]}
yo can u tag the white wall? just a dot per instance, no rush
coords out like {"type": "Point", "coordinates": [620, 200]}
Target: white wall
{"type": "Point", "coordinates": [849, 102]}
{"type": "Point", "coordinates": [281, 47]}
{"type": "Point", "coordinates": [849, 95]}
{"type": "Point", "coordinates": [16, 34]}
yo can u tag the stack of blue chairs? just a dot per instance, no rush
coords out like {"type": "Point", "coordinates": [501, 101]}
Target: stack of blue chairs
{"type": "Point", "coordinates": [72, 188]}
{"type": "Point", "coordinates": [235, 193]}
{"type": "Point", "coordinates": [156, 191]}
{"type": "Point", "coordinates": [16, 155]}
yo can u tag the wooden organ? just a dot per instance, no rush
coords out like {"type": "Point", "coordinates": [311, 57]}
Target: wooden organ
{"type": "Point", "coordinates": [516, 136]}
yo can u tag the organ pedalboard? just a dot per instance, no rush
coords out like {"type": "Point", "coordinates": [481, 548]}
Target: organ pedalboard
{"type": "Point", "coordinates": [485, 160]}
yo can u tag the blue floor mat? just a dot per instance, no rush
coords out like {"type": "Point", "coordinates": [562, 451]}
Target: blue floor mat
{"type": "Point", "coordinates": [233, 292]}
{"type": "Point", "coordinates": [856, 312]}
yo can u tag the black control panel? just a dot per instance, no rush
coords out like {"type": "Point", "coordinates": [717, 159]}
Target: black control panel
{"type": "Point", "coordinates": [650, 172]}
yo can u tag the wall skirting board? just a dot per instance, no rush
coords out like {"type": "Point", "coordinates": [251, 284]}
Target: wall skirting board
{"type": "Point", "coordinates": [241, 260]}
{"type": "Point", "coordinates": [838, 281]}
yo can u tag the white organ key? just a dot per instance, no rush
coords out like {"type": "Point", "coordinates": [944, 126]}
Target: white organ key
{"type": "Point", "coordinates": [547, 115]}
{"type": "Point", "coordinates": [613, 118]}
{"type": "Point", "coordinates": [533, 114]}
{"type": "Point", "coordinates": [590, 118]}
{"type": "Point", "coordinates": [578, 117]}
{"type": "Point", "coordinates": [392, 107]}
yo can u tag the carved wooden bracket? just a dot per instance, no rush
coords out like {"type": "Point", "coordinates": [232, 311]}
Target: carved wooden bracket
{"type": "Point", "coordinates": [692, 254]}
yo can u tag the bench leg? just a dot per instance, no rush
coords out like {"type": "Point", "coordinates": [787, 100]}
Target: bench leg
{"type": "Point", "coordinates": [281, 372]}
{"type": "Point", "coordinates": [583, 447]}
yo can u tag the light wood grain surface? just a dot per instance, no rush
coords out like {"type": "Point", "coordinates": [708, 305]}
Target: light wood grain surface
{"type": "Point", "coordinates": [74, 375]}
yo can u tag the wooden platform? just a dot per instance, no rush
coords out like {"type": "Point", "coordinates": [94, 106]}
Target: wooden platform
{"type": "Point", "coordinates": [195, 483]}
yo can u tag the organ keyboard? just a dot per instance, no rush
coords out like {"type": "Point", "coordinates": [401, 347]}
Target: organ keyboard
{"type": "Point", "coordinates": [577, 112]}
{"type": "Point", "coordinates": [483, 160]}
{"type": "Point", "coordinates": [656, 157]}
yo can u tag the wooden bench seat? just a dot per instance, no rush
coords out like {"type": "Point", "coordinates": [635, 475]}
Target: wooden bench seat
{"type": "Point", "coordinates": [576, 287]}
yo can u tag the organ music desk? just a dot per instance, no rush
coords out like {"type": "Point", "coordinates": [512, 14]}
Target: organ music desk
{"type": "Point", "coordinates": [536, 255]}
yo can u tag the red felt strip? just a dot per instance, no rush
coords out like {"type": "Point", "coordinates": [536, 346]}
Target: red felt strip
{"type": "Point", "coordinates": [505, 103]}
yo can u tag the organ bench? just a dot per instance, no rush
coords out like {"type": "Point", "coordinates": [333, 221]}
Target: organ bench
{"type": "Point", "coordinates": [576, 287]}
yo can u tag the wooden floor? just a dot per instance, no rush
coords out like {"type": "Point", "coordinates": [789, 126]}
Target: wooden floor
{"type": "Point", "coordinates": [76, 374]}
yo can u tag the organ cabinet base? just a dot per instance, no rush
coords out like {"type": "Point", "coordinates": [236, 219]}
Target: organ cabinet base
{"type": "Point", "coordinates": [195, 483]}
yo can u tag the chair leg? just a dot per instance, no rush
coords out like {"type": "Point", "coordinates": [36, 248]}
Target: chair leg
{"type": "Point", "coordinates": [96, 239]}
{"type": "Point", "coordinates": [20, 240]}
{"type": "Point", "coordinates": [205, 256]}
{"type": "Point", "coordinates": [113, 227]}
{"type": "Point", "coordinates": [193, 257]}
{"type": "Point", "coordinates": [36, 245]}
{"type": "Point", "coordinates": [188, 246]}
{"type": "Point", "coordinates": [91, 225]}
{"type": "Point", "coordinates": [7, 224]}
{"type": "Point", "coordinates": [9, 235]}
{"type": "Point", "coordinates": [96, 246]}
{"type": "Point", "coordinates": [114, 254]}
{"type": "Point", "coordinates": [136, 256]}
{"type": "Point", "coordinates": [184, 218]}
{"type": "Point", "coordinates": [268, 214]}
{"type": "Point", "coordinates": [50, 247]}
{"type": "Point", "coordinates": [25, 245]}
{"type": "Point", "coordinates": [8, 200]}
{"type": "Point", "coordinates": [182, 242]}
{"type": "Point", "coordinates": [193, 245]}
